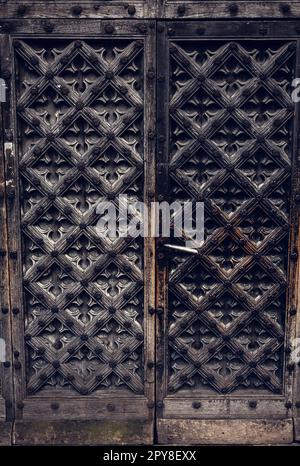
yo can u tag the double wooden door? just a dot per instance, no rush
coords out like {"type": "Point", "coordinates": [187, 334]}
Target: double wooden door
{"type": "Point", "coordinates": [123, 340]}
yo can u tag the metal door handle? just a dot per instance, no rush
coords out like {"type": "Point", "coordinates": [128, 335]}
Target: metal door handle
{"type": "Point", "coordinates": [183, 249]}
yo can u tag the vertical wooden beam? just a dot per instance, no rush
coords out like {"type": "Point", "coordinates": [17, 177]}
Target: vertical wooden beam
{"type": "Point", "coordinates": [295, 274]}
{"type": "Point", "coordinates": [6, 397]}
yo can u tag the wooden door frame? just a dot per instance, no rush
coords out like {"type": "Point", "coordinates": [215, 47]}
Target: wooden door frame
{"type": "Point", "coordinates": [84, 9]}
{"type": "Point", "coordinates": [147, 9]}
{"type": "Point", "coordinates": [6, 391]}
{"type": "Point", "coordinates": [189, 9]}
{"type": "Point", "coordinates": [269, 422]}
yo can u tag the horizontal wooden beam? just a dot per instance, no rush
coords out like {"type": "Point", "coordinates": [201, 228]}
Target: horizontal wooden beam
{"type": "Point", "coordinates": [104, 432]}
{"type": "Point", "coordinates": [150, 9]}
{"type": "Point", "coordinates": [225, 431]}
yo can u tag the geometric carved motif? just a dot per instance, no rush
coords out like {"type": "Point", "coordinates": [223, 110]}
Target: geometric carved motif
{"type": "Point", "coordinates": [230, 146]}
{"type": "Point", "coordinates": [80, 123]}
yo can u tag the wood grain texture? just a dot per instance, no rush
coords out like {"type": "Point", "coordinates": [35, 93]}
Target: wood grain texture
{"type": "Point", "coordinates": [82, 433]}
{"type": "Point", "coordinates": [6, 386]}
{"type": "Point", "coordinates": [225, 432]}
{"type": "Point", "coordinates": [5, 433]}
{"type": "Point", "coordinates": [297, 429]}
{"type": "Point", "coordinates": [294, 319]}
{"type": "Point", "coordinates": [225, 408]}
{"type": "Point", "coordinates": [150, 9]}
{"type": "Point", "coordinates": [216, 336]}
{"type": "Point", "coordinates": [112, 417]}
{"type": "Point", "coordinates": [83, 9]}
{"type": "Point", "coordinates": [115, 353]}
{"type": "Point", "coordinates": [221, 9]}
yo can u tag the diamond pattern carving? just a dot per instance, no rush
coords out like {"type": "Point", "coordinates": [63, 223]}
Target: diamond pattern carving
{"type": "Point", "coordinates": [261, 107]}
{"type": "Point", "coordinates": [230, 138]}
{"type": "Point", "coordinates": [256, 283]}
{"type": "Point", "coordinates": [229, 197]}
{"type": "Point", "coordinates": [52, 224]}
{"type": "Point", "coordinates": [55, 281]}
{"type": "Point", "coordinates": [226, 311]}
{"type": "Point", "coordinates": [79, 74]}
{"type": "Point", "coordinates": [84, 309]}
{"type": "Point", "coordinates": [49, 106]}
{"type": "Point", "coordinates": [120, 168]}
{"type": "Point", "coordinates": [82, 195]}
{"type": "Point", "coordinates": [52, 167]}
{"type": "Point", "coordinates": [232, 76]}
{"type": "Point", "coordinates": [196, 284]}
{"type": "Point", "coordinates": [110, 105]}
{"type": "Point", "coordinates": [200, 168]}
{"type": "Point", "coordinates": [261, 168]}
{"type": "Point", "coordinates": [230, 146]}
{"type": "Point", "coordinates": [200, 108]}
{"type": "Point", "coordinates": [81, 136]}
{"type": "Point", "coordinates": [80, 124]}
{"type": "Point", "coordinates": [83, 253]}
{"type": "Point", "coordinates": [228, 255]}
{"type": "Point", "coordinates": [112, 281]}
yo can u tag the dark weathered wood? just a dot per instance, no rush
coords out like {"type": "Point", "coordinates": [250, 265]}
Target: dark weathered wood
{"type": "Point", "coordinates": [150, 9]}
{"type": "Point", "coordinates": [222, 28]}
{"type": "Point", "coordinates": [149, 193]}
{"type": "Point", "coordinates": [5, 433]}
{"type": "Point", "coordinates": [229, 9]}
{"type": "Point", "coordinates": [162, 181]}
{"type": "Point", "coordinates": [217, 333]}
{"type": "Point", "coordinates": [294, 313]}
{"type": "Point", "coordinates": [81, 9]}
{"type": "Point", "coordinates": [75, 407]}
{"type": "Point", "coordinates": [54, 303]}
{"type": "Point", "coordinates": [225, 432]}
{"type": "Point", "coordinates": [297, 428]}
{"type": "Point", "coordinates": [106, 432]}
{"type": "Point", "coordinates": [6, 385]}
{"type": "Point", "coordinates": [216, 407]}
{"type": "Point", "coordinates": [80, 28]}
{"type": "Point", "coordinates": [88, 337]}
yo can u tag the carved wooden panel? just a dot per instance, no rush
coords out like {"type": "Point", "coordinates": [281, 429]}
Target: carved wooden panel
{"type": "Point", "coordinates": [238, 286]}
{"type": "Point", "coordinates": [80, 113]}
{"type": "Point", "coordinates": [80, 124]}
{"type": "Point", "coordinates": [230, 145]}
{"type": "Point", "coordinates": [80, 109]}
{"type": "Point", "coordinates": [80, 320]}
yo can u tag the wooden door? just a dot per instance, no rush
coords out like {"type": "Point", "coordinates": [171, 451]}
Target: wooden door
{"type": "Point", "coordinates": [227, 128]}
{"type": "Point", "coordinates": [122, 341]}
{"type": "Point", "coordinates": [76, 133]}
